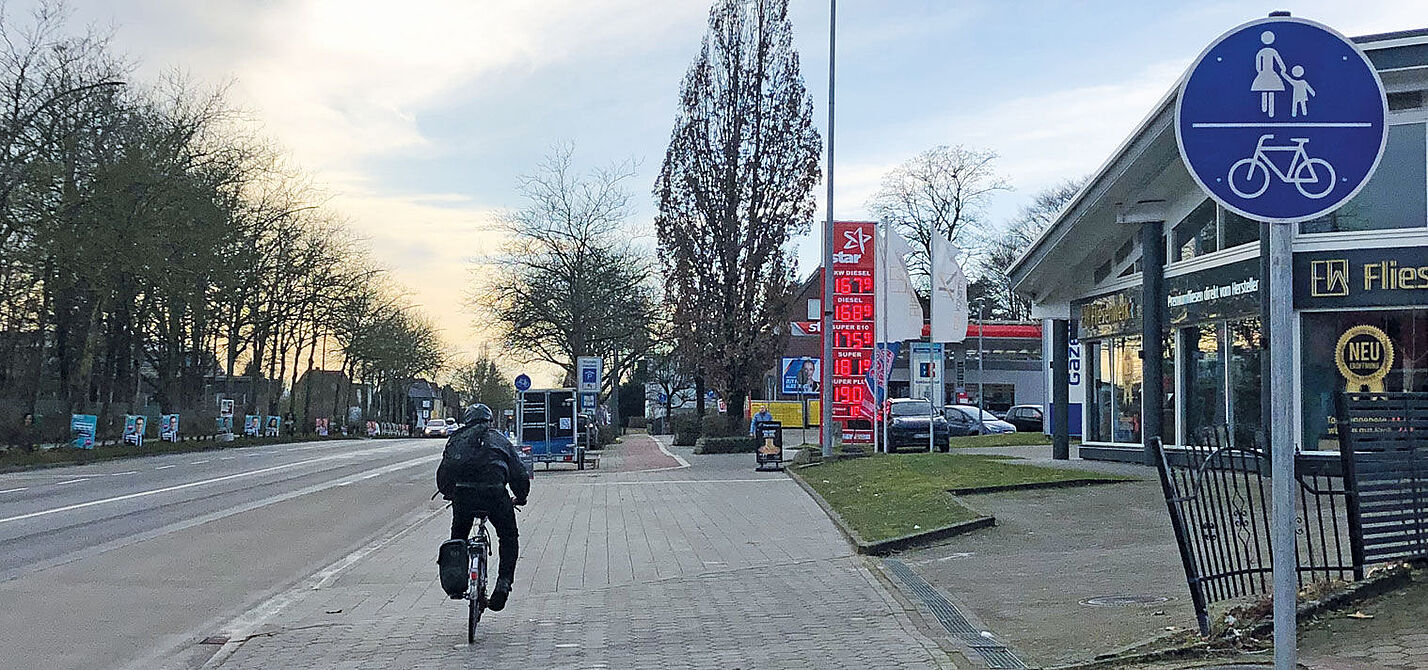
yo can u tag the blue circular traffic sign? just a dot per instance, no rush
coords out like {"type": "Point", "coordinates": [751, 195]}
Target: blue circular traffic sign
{"type": "Point", "coordinates": [1282, 120]}
{"type": "Point", "coordinates": [523, 383]}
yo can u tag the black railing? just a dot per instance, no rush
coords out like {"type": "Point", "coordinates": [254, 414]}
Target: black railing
{"type": "Point", "coordinates": [1383, 444]}
{"type": "Point", "coordinates": [1219, 504]}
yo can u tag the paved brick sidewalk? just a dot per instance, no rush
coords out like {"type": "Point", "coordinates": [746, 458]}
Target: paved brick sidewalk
{"type": "Point", "coordinates": [711, 566]}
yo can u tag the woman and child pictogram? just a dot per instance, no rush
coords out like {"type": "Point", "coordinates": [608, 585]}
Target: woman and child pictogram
{"type": "Point", "coordinates": [1267, 82]}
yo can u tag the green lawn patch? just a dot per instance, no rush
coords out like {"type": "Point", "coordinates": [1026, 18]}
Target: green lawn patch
{"type": "Point", "coordinates": [1004, 440]}
{"type": "Point", "coordinates": [886, 496]}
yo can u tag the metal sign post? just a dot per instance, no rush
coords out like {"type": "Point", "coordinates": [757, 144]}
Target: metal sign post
{"type": "Point", "coordinates": [1282, 120]}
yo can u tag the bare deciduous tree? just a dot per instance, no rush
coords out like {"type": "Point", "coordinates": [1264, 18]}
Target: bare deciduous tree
{"type": "Point", "coordinates": [945, 189]}
{"type": "Point", "coordinates": [571, 282]}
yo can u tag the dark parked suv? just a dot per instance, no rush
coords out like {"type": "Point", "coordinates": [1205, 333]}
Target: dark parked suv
{"type": "Point", "coordinates": [908, 421]}
{"type": "Point", "coordinates": [1026, 418]}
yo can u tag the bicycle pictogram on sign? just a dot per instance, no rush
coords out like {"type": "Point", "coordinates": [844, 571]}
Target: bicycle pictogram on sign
{"type": "Point", "coordinates": [1313, 177]}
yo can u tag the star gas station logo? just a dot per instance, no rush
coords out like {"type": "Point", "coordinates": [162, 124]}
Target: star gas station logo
{"type": "Point", "coordinates": [857, 238]}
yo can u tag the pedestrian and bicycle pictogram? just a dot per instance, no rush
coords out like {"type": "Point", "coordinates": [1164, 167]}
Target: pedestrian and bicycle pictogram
{"type": "Point", "coordinates": [1281, 120]}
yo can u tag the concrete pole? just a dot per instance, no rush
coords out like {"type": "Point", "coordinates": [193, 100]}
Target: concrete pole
{"type": "Point", "coordinates": [826, 386]}
{"type": "Point", "coordinates": [1152, 396]}
{"type": "Point", "coordinates": [1060, 393]}
{"type": "Point", "coordinates": [1281, 363]}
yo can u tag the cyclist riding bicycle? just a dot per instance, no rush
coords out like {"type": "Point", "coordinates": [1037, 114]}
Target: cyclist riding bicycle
{"type": "Point", "coordinates": [476, 467]}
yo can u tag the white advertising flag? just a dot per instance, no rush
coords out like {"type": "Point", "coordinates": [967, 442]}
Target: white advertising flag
{"type": "Point", "coordinates": [949, 295]}
{"type": "Point", "coordinates": [902, 311]}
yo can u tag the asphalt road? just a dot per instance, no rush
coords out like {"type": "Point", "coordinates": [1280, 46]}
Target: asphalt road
{"type": "Point", "coordinates": [131, 563]}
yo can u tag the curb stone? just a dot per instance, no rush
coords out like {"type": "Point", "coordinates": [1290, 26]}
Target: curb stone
{"type": "Point", "coordinates": [1036, 486]}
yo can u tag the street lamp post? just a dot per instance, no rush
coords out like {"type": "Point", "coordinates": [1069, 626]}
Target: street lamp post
{"type": "Point", "coordinates": [826, 368]}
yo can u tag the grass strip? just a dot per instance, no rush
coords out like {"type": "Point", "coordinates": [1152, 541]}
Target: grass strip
{"type": "Point", "coordinates": [15, 459]}
{"type": "Point", "coordinates": [886, 496]}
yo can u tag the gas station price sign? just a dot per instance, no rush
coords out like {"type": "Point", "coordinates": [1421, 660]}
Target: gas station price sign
{"type": "Point", "coordinates": [852, 329]}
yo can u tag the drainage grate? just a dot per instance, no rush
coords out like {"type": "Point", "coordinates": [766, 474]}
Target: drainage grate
{"type": "Point", "coordinates": [995, 654]}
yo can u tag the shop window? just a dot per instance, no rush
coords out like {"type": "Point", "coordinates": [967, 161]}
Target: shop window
{"type": "Point", "coordinates": [1204, 379]}
{"type": "Point", "coordinates": [1196, 234]}
{"type": "Point", "coordinates": [1237, 230]}
{"type": "Point", "coordinates": [1167, 390]}
{"type": "Point", "coordinates": [1114, 404]}
{"type": "Point", "coordinates": [1099, 399]}
{"type": "Point", "coordinates": [1128, 389]}
{"type": "Point", "coordinates": [1320, 377]}
{"type": "Point", "coordinates": [1396, 196]}
{"type": "Point", "coordinates": [1246, 340]}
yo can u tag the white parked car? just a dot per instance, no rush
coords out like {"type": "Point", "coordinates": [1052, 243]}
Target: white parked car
{"type": "Point", "coordinates": [439, 428]}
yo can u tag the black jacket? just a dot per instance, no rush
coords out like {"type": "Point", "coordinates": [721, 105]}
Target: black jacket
{"type": "Point", "coordinates": [498, 464]}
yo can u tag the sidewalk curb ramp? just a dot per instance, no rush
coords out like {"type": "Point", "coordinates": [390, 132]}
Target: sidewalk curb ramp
{"type": "Point", "coordinates": [890, 545]}
{"type": "Point", "coordinates": [1036, 486]}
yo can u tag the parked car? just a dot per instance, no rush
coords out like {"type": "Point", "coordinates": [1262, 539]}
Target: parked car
{"type": "Point", "coordinates": [1026, 418]}
{"type": "Point", "coordinates": [439, 428]}
{"type": "Point", "coordinates": [962, 421]}
{"type": "Point", "coordinates": [908, 425]}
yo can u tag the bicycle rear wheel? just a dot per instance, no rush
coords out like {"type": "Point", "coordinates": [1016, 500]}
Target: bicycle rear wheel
{"type": "Point", "coordinates": [476, 592]}
{"type": "Point", "coordinates": [473, 617]}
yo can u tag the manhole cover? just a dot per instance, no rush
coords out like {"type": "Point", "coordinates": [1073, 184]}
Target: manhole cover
{"type": "Point", "coordinates": [1123, 601]}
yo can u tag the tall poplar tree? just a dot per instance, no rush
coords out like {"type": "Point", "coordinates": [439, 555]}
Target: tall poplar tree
{"type": "Point", "coordinates": [736, 185]}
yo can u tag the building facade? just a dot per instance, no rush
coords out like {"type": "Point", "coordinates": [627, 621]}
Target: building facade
{"type": "Point", "coordinates": [1157, 296]}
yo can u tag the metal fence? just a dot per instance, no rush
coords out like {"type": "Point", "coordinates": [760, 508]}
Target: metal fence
{"type": "Point", "coordinates": [1218, 498]}
{"type": "Point", "coordinates": [1383, 440]}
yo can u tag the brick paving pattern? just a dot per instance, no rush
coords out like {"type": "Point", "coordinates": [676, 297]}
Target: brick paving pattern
{"type": "Point", "coordinates": [711, 566]}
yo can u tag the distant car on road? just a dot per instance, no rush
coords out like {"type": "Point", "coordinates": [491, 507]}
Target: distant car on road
{"type": "Point", "coordinates": [439, 428]}
{"type": "Point", "coordinates": [963, 421]}
{"type": "Point", "coordinates": [1026, 418]}
{"type": "Point", "coordinates": [911, 424]}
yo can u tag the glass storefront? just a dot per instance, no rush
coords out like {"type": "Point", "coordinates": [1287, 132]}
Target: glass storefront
{"type": "Point", "coordinates": [1332, 340]}
{"type": "Point", "coordinates": [1115, 404]}
{"type": "Point", "coordinates": [1397, 194]}
{"type": "Point", "coordinates": [1204, 378]}
{"type": "Point", "coordinates": [1246, 344]}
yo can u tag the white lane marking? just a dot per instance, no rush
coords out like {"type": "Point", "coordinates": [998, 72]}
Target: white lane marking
{"type": "Point", "coordinates": [72, 481]}
{"type": "Point", "coordinates": [22, 488]}
{"type": "Point", "coordinates": [198, 462]}
{"type": "Point", "coordinates": [243, 627]}
{"type": "Point", "coordinates": [682, 463]}
{"type": "Point", "coordinates": [178, 487]}
{"type": "Point", "coordinates": [165, 467]}
{"type": "Point", "coordinates": [120, 474]}
{"type": "Point", "coordinates": [221, 514]}
{"type": "Point", "coordinates": [227, 458]}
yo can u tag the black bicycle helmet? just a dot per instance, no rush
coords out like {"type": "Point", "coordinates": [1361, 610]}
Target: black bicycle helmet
{"type": "Point", "coordinates": [476, 413]}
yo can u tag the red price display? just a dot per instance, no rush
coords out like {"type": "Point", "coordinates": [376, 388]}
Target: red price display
{"type": "Point", "coordinates": [852, 339]}
{"type": "Point", "coordinates": [852, 285]}
{"type": "Point", "coordinates": [852, 395]}
{"type": "Point", "coordinates": [853, 312]}
{"type": "Point", "coordinates": [852, 330]}
{"type": "Point", "coordinates": [852, 367]}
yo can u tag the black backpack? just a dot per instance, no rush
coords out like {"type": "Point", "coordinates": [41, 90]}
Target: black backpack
{"type": "Point", "coordinates": [466, 460]}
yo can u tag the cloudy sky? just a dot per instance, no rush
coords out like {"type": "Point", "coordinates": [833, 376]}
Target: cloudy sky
{"type": "Point", "coordinates": [417, 115]}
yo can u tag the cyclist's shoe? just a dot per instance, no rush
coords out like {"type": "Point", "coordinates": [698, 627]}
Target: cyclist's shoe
{"type": "Point", "coordinates": [498, 596]}
{"type": "Point", "coordinates": [451, 560]}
